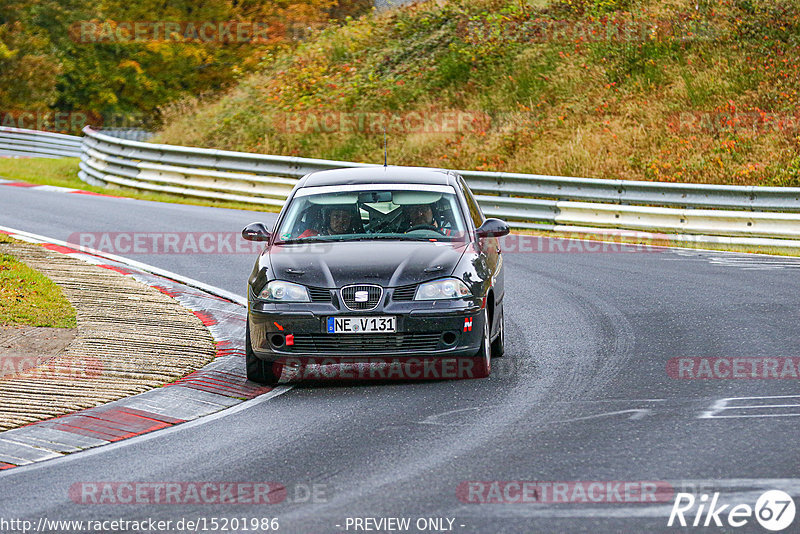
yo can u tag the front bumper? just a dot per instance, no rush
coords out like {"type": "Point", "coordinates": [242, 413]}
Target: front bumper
{"type": "Point", "coordinates": [298, 332]}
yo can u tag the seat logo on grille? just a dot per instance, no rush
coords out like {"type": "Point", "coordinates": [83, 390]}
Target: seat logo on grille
{"type": "Point", "coordinates": [361, 296]}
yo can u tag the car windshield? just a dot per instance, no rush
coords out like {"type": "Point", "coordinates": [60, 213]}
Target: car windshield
{"type": "Point", "coordinates": [422, 212]}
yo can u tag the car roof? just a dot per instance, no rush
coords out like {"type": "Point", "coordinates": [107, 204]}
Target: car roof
{"type": "Point", "coordinates": [378, 175]}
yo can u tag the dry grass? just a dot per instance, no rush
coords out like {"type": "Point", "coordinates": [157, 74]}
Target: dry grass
{"type": "Point", "coordinates": [599, 109]}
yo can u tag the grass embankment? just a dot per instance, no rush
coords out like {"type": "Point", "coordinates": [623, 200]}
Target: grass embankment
{"type": "Point", "coordinates": [27, 297]}
{"type": "Point", "coordinates": [64, 173]}
{"type": "Point", "coordinates": [688, 91]}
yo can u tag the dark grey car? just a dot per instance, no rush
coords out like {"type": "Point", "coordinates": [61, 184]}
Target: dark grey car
{"type": "Point", "coordinates": [386, 264]}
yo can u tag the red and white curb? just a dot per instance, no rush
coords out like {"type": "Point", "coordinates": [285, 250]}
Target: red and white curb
{"type": "Point", "coordinates": [219, 385]}
{"type": "Point", "coordinates": [54, 188]}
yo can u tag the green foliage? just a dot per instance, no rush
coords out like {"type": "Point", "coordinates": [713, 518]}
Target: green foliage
{"type": "Point", "coordinates": [74, 55]}
{"type": "Point", "coordinates": [27, 297]}
{"type": "Point", "coordinates": [788, 175]}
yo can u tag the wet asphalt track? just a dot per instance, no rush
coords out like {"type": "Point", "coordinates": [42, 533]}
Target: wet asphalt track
{"type": "Point", "coordinates": [581, 395]}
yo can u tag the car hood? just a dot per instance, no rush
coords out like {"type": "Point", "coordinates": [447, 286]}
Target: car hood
{"type": "Point", "coordinates": [389, 264]}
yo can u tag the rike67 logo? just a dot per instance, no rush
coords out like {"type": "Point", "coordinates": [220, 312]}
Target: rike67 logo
{"type": "Point", "coordinates": [774, 510]}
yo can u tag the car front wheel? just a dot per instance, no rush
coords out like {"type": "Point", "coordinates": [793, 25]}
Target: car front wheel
{"type": "Point", "coordinates": [258, 370]}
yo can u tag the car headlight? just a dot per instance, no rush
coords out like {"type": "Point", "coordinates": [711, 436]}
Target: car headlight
{"type": "Point", "coordinates": [280, 291]}
{"type": "Point", "coordinates": [446, 288]}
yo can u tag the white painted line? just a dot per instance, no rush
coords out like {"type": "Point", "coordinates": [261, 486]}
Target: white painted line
{"type": "Point", "coordinates": [593, 401]}
{"type": "Point", "coordinates": [721, 405]}
{"type": "Point", "coordinates": [764, 406]}
{"type": "Point", "coordinates": [54, 188]}
{"type": "Point", "coordinates": [434, 419]}
{"type": "Point", "coordinates": [770, 397]}
{"type": "Point", "coordinates": [748, 416]}
{"type": "Point", "coordinates": [637, 414]}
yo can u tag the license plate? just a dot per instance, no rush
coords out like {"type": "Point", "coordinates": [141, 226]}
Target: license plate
{"type": "Point", "coordinates": [361, 325]}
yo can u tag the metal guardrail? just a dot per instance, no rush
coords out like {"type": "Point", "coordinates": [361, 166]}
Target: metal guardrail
{"type": "Point", "coordinates": [525, 200]}
{"type": "Point", "coordinates": [196, 172]}
{"type": "Point", "coordinates": [36, 144]}
{"type": "Point", "coordinates": [752, 198]}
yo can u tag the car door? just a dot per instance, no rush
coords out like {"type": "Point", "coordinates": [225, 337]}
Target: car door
{"type": "Point", "coordinates": [489, 247]}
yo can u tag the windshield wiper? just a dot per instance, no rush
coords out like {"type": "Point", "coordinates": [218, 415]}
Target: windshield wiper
{"type": "Point", "coordinates": [394, 237]}
{"type": "Point", "coordinates": [373, 237]}
{"type": "Point", "coordinates": [303, 240]}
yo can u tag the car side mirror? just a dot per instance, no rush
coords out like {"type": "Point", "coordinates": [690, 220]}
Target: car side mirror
{"type": "Point", "coordinates": [256, 232]}
{"type": "Point", "coordinates": [493, 228]}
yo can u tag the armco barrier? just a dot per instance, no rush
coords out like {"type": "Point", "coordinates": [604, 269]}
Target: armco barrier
{"type": "Point", "coordinates": [636, 192]}
{"type": "Point", "coordinates": [33, 143]}
{"type": "Point", "coordinates": [685, 221]}
{"type": "Point", "coordinates": [525, 200]}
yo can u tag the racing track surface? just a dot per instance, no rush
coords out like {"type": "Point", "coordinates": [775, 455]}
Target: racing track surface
{"type": "Point", "coordinates": [581, 395]}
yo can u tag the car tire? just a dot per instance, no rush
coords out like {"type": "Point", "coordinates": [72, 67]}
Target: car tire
{"type": "Point", "coordinates": [499, 344]}
{"type": "Point", "coordinates": [483, 359]}
{"type": "Point", "coordinates": [258, 370]}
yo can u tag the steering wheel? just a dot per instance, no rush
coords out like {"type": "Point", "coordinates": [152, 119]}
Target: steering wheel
{"type": "Point", "coordinates": [424, 227]}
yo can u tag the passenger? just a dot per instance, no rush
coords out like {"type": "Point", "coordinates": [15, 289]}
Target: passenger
{"type": "Point", "coordinates": [339, 222]}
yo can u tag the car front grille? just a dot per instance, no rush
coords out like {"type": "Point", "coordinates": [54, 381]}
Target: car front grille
{"type": "Point", "coordinates": [365, 343]}
{"type": "Point", "coordinates": [319, 294]}
{"type": "Point", "coordinates": [374, 294]}
{"type": "Point", "coordinates": [404, 292]}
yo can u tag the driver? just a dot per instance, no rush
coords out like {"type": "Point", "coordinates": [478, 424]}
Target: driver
{"type": "Point", "coordinates": [421, 215]}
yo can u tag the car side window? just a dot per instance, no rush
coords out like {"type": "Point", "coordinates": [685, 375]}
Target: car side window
{"type": "Point", "coordinates": [474, 210]}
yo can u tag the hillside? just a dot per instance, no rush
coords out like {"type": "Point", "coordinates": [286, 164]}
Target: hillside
{"type": "Point", "coordinates": [702, 91]}
{"type": "Point", "coordinates": [68, 63]}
